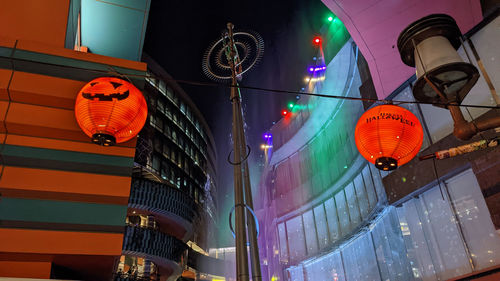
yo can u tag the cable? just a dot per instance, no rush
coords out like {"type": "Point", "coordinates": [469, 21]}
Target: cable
{"type": "Point", "coordinates": [474, 124]}
{"type": "Point", "coordinates": [193, 83]}
{"type": "Point", "coordinates": [240, 162]}
{"type": "Point", "coordinates": [212, 84]}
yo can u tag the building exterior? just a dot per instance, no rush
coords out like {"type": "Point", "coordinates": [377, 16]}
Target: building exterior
{"type": "Point", "coordinates": [328, 214]}
{"type": "Point", "coordinates": [63, 199]}
{"type": "Point", "coordinates": [171, 205]}
{"type": "Point", "coordinates": [70, 209]}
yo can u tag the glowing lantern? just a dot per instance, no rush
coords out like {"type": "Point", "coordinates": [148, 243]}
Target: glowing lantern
{"type": "Point", "coordinates": [110, 110]}
{"type": "Point", "coordinates": [388, 136]}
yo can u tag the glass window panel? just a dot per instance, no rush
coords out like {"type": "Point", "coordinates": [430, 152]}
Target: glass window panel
{"type": "Point", "coordinates": [359, 187]}
{"type": "Point", "coordinates": [156, 163]}
{"type": "Point", "coordinates": [296, 273]}
{"type": "Point", "coordinates": [321, 226]}
{"type": "Point", "coordinates": [168, 110]}
{"type": "Point", "coordinates": [162, 86]}
{"type": "Point", "coordinates": [359, 259]}
{"type": "Point", "coordinates": [296, 239]}
{"type": "Point", "coordinates": [390, 248]}
{"type": "Point", "coordinates": [377, 180]}
{"type": "Point", "coordinates": [327, 267]}
{"type": "Point", "coordinates": [475, 219]}
{"type": "Point", "coordinates": [282, 243]}
{"type": "Point", "coordinates": [170, 93]}
{"type": "Point", "coordinates": [447, 247]}
{"type": "Point", "coordinates": [333, 221]}
{"type": "Point", "coordinates": [416, 245]}
{"type": "Point", "coordinates": [152, 120]}
{"type": "Point", "coordinates": [350, 262]}
{"type": "Point", "coordinates": [160, 105]}
{"type": "Point", "coordinates": [166, 150]}
{"type": "Point", "coordinates": [159, 123]}
{"type": "Point", "coordinates": [367, 261]}
{"type": "Point", "coordinates": [310, 231]}
{"type": "Point", "coordinates": [352, 202]}
{"type": "Point", "coordinates": [343, 213]}
{"type": "Point", "coordinates": [164, 170]}
{"type": "Point", "coordinates": [157, 144]}
{"type": "Point", "coordinates": [166, 129]}
{"type": "Point", "coordinates": [370, 188]}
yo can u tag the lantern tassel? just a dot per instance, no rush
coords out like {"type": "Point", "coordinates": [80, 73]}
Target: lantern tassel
{"type": "Point", "coordinates": [463, 149]}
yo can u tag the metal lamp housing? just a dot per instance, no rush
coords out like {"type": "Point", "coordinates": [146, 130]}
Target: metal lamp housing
{"type": "Point", "coordinates": [430, 45]}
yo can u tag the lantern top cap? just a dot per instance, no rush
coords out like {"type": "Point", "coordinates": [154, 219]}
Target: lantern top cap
{"type": "Point", "coordinates": [418, 31]}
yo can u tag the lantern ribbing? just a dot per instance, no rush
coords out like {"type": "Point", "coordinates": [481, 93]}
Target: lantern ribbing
{"type": "Point", "coordinates": [388, 136]}
{"type": "Point", "coordinates": [110, 110]}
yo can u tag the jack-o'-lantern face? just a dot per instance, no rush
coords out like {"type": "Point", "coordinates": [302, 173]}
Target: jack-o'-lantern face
{"type": "Point", "coordinates": [110, 110]}
{"type": "Point", "coordinates": [106, 91]}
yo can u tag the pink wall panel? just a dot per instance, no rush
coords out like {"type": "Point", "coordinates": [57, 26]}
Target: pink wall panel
{"type": "Point", "coordinates": [375, 26]}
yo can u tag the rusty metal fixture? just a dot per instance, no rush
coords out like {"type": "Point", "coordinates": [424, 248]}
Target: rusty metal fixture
{"type": "Point", "coordinates": [465, 130]}
{"type": "Point", "coordinates": [429, 44]}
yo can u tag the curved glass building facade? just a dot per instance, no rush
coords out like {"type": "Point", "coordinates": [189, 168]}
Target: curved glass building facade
{"type": "Point", "coordinates": [328, 214]}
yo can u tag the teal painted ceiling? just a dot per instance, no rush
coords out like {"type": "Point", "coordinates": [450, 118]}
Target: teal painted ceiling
{"type": "Point", "coordinates": [114, 28]}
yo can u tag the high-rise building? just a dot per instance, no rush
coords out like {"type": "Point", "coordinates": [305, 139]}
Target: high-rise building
{"type": "Point", "coordinates": [172, 199]}
{"type": "Point", "coordinates": [329, 214]}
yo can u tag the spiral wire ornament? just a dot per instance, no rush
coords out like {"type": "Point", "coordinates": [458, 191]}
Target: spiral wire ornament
{"type": "Point", "coordinates": [249, 46]}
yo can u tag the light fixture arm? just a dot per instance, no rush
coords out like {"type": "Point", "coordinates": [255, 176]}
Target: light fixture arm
{"type": "Point", "coordinates": [465, 130]}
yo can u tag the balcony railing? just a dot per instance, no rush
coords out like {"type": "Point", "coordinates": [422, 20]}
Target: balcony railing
{"type": "Point", "coordinates": [154, 243]}
{"type": "Point", "coordinates": [163, 198]}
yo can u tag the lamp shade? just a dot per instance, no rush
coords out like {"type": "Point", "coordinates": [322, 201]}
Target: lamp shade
{"type": "Point", "coordinates": [110, 110]}
{"type": "Point", "coordinates": [388, 136]}
{"type": "Point", "coordinates": [430, 44]}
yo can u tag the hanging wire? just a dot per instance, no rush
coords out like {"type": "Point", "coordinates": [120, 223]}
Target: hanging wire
{"type": "Point", "coordinates": [193, 83]}
{"type": "Point", "coordinates": [114, 72]}
{"type": "Point", "coordinates": [473, 121]}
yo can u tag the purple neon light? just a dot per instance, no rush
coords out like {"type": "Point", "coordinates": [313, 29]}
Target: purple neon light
{"type": "Point", "coordinates": [318, 68]}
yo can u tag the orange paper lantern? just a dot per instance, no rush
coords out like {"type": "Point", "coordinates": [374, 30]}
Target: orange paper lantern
{"type": "Point", "coordinates": [388, 136]}
{"type": "Point", "coordinates": [110, 110]}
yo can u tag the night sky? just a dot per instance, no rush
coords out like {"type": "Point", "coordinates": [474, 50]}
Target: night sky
{"type": "Point", "coordinates": [178, 34]}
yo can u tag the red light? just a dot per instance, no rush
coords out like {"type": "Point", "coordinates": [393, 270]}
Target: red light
{"type": "Point", "coordinates": [317, 40]}
{"type": "Point", "coordinates": [284, 113]}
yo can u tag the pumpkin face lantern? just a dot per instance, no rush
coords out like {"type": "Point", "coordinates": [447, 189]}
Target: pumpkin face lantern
{"type": "Point", "coordinates": [110, 110]}
{"type": "Point", "coordinates": [388, 136]}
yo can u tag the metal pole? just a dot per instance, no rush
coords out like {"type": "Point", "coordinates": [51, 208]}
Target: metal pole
{"type": "Point", "coordinates": [240, 230]}
{"type": "Point", "coordinates": [252, 231]}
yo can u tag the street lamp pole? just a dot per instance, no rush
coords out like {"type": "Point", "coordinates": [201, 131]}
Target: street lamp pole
{"type": "Point", "coordinates": [231, 67]}
{"type": "Point", "coordinates": [242, 186]}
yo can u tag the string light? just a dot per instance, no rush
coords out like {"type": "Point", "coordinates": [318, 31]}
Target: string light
{"type": "Point", "coordinates": [316, 69]}
{"type": "Point", "coordinates": [265, 146]}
